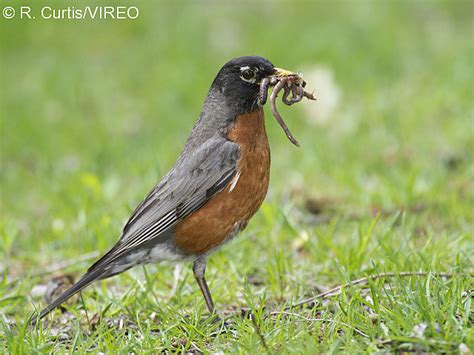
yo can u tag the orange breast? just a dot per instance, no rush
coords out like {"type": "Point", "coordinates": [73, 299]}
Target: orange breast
{"type": "Point", "coordinates": [229, 211]}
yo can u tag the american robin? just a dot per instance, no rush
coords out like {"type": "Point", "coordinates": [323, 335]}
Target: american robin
{"type": "Point", "coordinates": [217, 184]}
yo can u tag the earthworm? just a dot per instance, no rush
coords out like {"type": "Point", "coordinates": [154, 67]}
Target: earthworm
{"type": "Point", "coordinates": [278, 87]}
{"type": "Point", "coordinates": [309, 95]}
{"type": "Point", "coordinates": [291, 83]}
{"type": "Point", "coordinates": [297, 93]}
{"type": "Point", "coordinates": [263, 91]}
{"type": "Point", "coordinates": [285, 99]}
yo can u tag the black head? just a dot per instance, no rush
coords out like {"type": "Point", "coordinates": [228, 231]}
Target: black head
{"type": "Point", "coordinates": [239, 81]}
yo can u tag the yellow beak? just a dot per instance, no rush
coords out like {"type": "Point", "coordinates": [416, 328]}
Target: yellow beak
{"type": "Point", "coordinates": [283, 72]}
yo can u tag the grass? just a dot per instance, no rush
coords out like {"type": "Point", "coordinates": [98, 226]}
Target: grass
{"type": "Point", "coordinates": [94, 112]}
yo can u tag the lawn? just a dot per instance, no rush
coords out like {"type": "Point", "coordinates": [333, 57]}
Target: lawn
{"type": "Point", "coordinates": [94, 112]}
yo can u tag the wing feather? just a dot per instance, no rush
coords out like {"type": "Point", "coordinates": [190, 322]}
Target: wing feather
{"type": "Point", "coordinates": [194, 179]}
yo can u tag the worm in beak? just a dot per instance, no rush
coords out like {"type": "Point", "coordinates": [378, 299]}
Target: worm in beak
{"type": "Point", "coordinates": [289, 82]}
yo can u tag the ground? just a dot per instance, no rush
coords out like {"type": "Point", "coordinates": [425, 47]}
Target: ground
{"type": "Point", "coordinates": [95, 111]}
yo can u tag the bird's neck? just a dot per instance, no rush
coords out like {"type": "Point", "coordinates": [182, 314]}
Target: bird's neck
{"type": "Point", "coordinates": [218, 115]}
{"type": "Point", "coordinates": [248, 128]}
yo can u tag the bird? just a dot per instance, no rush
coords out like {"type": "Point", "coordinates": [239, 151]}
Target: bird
{"type": "Point", "coordinates": [216, 185]}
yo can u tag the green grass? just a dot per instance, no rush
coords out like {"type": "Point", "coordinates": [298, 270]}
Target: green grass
{"type": "Point", "coordinates": [94, 112]}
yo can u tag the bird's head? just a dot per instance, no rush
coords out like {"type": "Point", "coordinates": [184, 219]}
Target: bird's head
{"type": "Point", "coordinates": [240, 87]}
{"type": "Point", "coordinates": [240, 78]}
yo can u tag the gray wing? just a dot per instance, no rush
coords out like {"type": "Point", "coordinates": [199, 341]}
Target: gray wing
{"type": "Point", "coordinates": [196, 177]}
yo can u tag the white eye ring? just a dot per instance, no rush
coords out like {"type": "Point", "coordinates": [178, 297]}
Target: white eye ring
{"type": "Point", "coordinates": [248, 75]}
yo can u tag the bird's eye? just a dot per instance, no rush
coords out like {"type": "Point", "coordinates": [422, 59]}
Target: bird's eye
{"type": "Point", "coordinates": [247, 74]}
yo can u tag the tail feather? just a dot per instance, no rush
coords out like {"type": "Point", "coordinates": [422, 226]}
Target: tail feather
{"type": "Point", "coordinates": [85, 281]}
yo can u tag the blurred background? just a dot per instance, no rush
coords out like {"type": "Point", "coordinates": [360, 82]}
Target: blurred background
{"type": "Point", "coordinates": [94, 112]}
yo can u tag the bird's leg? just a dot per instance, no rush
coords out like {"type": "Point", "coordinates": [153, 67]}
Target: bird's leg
{"type": "Point", "coordinates": [199, 268]}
